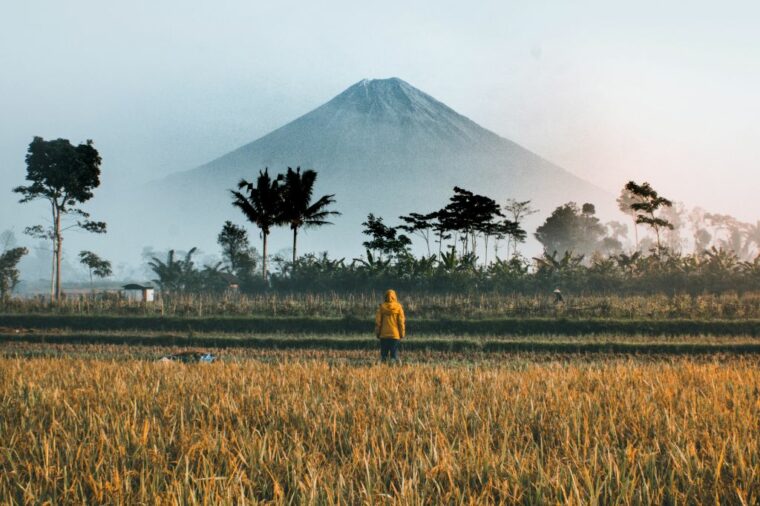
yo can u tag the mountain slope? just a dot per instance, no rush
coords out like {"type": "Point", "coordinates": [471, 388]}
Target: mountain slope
{"type": "Point", "coordinates": [381, 146]}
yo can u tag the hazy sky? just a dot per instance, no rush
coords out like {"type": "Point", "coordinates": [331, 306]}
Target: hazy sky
{"type": "Point", "coordinates": [652, 90]}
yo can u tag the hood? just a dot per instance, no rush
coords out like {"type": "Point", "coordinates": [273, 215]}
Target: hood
{"type": "Point", "coordinates": [391, 304]}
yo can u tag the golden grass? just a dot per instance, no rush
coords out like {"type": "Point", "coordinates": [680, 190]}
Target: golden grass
{"type": "Point", "coordinates": [612, 432]}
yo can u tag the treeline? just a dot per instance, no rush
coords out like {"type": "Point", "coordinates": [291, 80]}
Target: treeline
{"type": "Point", "coordinates": [472, 243]}
{"type": "Point", "coordinates": [462, 229]}
{"type": "Point", "coordinates": [711, 271]}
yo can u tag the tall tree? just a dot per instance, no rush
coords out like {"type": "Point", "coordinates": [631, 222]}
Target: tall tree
{"type": "Point", "coordinates": [470, 214]}
{"type": "Point", "coordinates": [624, 201]}
{"type": "Point", "coordinates": [95, 265]}
{"type": "Point", "coordinates": [649, 202]}
{"type": "Point", "coordinates": [443, 223]}
{"type": "Point", "coordinates": [65, 176]}
{"type": "Point", "coordinates": [297, 207]}
{"type": "Point", "coordinates": [262, 205]}
{"type": "Point", "coordinates": [517, 211]}
{"type": "Point", "coordinates": [420, 224]}
{"type": "Point", "coordinates": [514, 232]}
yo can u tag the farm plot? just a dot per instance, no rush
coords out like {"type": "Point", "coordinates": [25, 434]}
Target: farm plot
{"type": "Point", "coordinates": [317, 428]}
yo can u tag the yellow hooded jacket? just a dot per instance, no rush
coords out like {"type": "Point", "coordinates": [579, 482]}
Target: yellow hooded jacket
{"type": "Point", "coordinates": [390, 321]}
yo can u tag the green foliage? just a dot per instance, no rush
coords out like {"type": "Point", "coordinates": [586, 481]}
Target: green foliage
{"type": "Point", "coordinates": [240, 257]}
{"type": "Point", "coordinates": [384, 240]}
{"type": "Point", "coordinates": [284, 200]}
{"type": "Point", "coordinates": [172, 275]}
{"type": "Point", "coordinates": [65, 176]}
{"type": "Point", "coordinates": [466, 218]}
{"type": "Point", "coordinates": [646, 202]}
{"type": "Point", "coordinates": [262, 205]}
{"type": "Point", "coordinates": [570, 229]}
{"type": "Point", "coordinates": [420, 224]}
{"type": "Point", "coordinates": [180, 276]}
{"type": "Point", "coordinates": [470, 214]}
{"type": "Point", "coordinates": [516, 211]}
{"type": "Point", "coordinates": [61, 172]}
{"type": "Point", "coordinates": [95, 265]}
{"type": "Point", "coordinates": [298, 210]}
{"type": "Point", "coordinates": [713, 271]}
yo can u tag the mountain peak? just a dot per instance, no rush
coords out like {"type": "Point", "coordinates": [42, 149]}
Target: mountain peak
{"type": "Point", "coordinates": [416, 118]}
{"type": "Point", "coordinates": [379, 96]}
{"type": "Point", "coordinates": [382, 146]}
{"type": "Point", "coordinates": [388, 81]}
{"type": "Point", "coordinates": [374, 119]}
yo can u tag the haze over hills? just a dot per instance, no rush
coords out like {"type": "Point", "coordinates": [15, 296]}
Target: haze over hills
{"type": "Point", "coordinates": [381, 146]}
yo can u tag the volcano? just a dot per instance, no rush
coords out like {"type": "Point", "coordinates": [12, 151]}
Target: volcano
{"type": "Point", "coordinates": [381, 146]}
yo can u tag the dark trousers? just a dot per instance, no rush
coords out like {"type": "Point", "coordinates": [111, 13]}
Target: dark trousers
{"type": "Point", "coordinates": [389, 348]}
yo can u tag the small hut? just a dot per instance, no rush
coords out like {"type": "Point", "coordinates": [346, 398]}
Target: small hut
{"type": "Point", "coordinates": [233, 283]}
{"type": "Point", "coordinates": [139, 293]}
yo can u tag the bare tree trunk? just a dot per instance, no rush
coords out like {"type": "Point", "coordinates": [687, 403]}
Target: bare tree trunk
{"type": "Point", "coordinates": [295, 243]}
{"type": "Point", "coordinates": [53, 257]}
{"type": "Point", "coordinates": [58, 256]}
{"type": "Point", "coordinates": [52, 272]}
{"type": "Point", "coordinates": [657, 233]}
{"type": "Point", "coordinates": [264, 257]}
{"type": "Point", "coordinates": [636, 231]}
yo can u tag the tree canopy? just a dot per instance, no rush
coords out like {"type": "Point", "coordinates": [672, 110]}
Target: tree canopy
{"type": "Point", "coordinates": [66, 176]}
{"type": "Point", "coordinates": [571, 229]}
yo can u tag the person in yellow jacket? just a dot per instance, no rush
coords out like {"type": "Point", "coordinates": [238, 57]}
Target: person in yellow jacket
{"type": "Point", "coordinates": [390, 326]}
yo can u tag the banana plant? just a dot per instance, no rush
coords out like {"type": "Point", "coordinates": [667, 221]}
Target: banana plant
{"type": "Point", "coordinates": [721, 261]}
{"type": "Point", "coordinates": [551, 264]}
{"type": "Point", "coordinates": [372, 265]}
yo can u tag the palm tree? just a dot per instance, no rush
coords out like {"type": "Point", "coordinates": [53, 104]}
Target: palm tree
{"type": "Point", "coordinates": [298, 210]}
{"type": "Point", "coordinates": [262, 206]}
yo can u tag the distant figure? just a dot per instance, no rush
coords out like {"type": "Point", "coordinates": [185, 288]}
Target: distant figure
{"type": "Point", "coordinates": [558, 296]}
{"type": "Point", "coordinates": [390, 326]}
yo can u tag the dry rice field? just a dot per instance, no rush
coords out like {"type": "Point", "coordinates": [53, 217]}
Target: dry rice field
{"type": "Point", "coordinates": [328, 427]}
